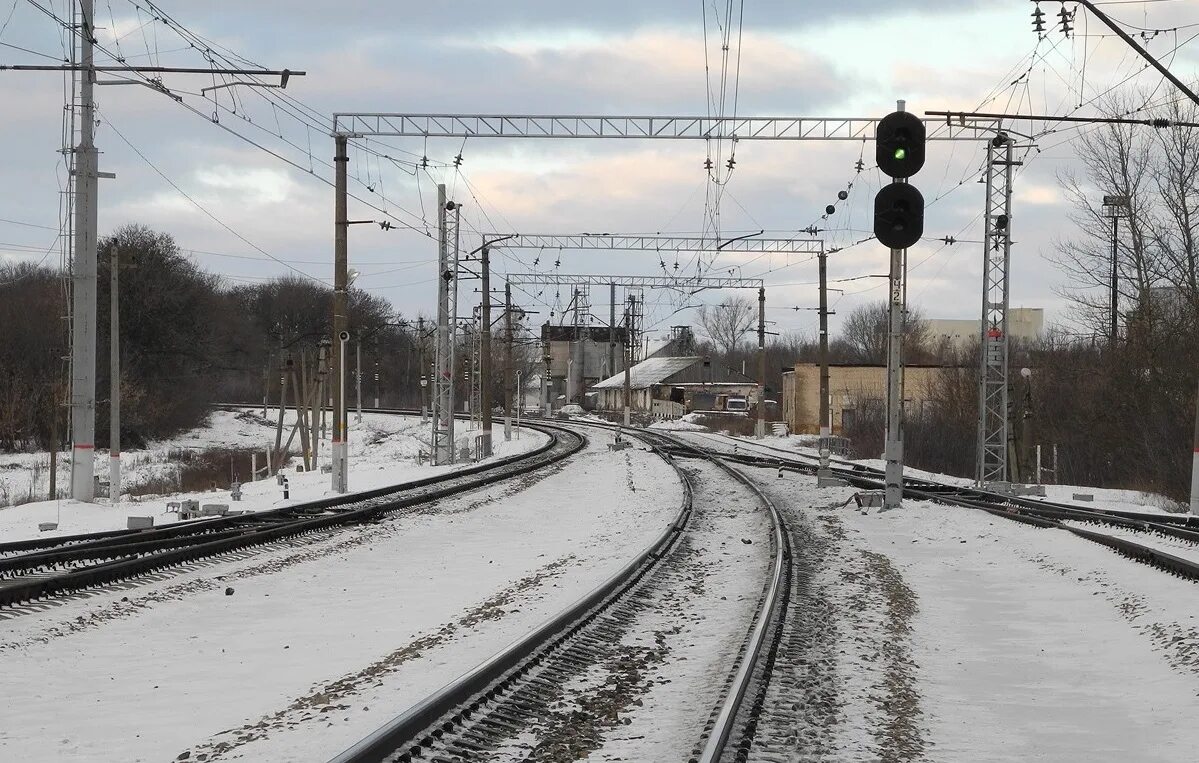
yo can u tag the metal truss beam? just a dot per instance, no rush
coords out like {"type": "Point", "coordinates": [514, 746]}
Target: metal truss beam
{"type": "Point", "coordinates": [650, 282]}
{"type": "Point", "coordinates": [653, 243]}
{"type": "Point", "coordinates": [364, 124]}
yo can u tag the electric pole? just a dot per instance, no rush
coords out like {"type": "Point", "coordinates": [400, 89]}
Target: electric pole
{"type": "Point", "coordinates": [611, 329]}
{"type": "Point", "coordinates": [507, 361]}
{"type": "Point", "coordinates": [1194, 463]}
{"type": "Point", "coordinates": [85, 174]}
{"type": "Point", "coordinates": [760, 426]}
{"type": "Point", "coordinates": [628, 359]}
{"type": "Point", "coordinates": [422, 368]}
{"type": "Point", "coordinates": [485, 350]}
{"type": "Point", "coordinates": [447, 301]}
{"type": "Point", "coordinates": [341, 226]}
{"type": "Point", "coordinates": [825, 423]}
{"type": "Point", "coordinates": [114, 377]}
{"type": "Point", "coordinates": [83, 275]}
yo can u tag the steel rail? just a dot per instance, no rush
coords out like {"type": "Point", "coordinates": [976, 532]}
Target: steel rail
{"type": "Point", "coordinates": [425, 723]}
{"type": "Point", "coordinates": [758, 652]}
{"type": "Point", "coordinates": [772, 614]}
{"type": "Point", "coordinates": [312, 516]}
{"type": "Point", "coordinates": [994, 503]}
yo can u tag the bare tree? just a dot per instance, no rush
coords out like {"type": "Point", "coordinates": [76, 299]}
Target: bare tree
{"type": "Point", "coordinates": [864, 334]}
{"type": "Point", "coordinates": [726, 323]}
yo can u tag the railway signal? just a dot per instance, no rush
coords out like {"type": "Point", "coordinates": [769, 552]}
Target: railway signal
{"type": "Point", "coordinates": [899, 144]}
{"type": "Point", "coordinates": [898, 215]}
{"type": "Point", "coordinates": [898, 224]}
{"type": "Point", "coordinates": [899, 207]}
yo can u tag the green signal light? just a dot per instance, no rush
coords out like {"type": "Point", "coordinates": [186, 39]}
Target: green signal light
{"type": "Point", "coordinates": [901, 154]}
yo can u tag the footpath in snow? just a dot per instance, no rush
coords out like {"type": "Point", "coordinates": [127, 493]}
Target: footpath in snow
{"type": "Point", "coordinates": [383, 452]}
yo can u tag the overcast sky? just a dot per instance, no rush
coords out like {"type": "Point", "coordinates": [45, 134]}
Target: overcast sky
{"type": "Point", "coordinates": [849, 58]}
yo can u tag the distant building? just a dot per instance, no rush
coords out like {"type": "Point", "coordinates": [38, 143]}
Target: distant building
{"type": "Point", "coordinates": [579, 357]}
{"type": "Point", "coordinates": [669, 387]}
{"type": "Point", "coordinates": [680, 343]}
{"type": "Point", "coordinates": [849, 387]}
{"type": "Point", "coordinates": [1022, 323]}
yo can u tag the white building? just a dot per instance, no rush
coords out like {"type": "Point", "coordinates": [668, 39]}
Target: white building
{"type": "Point", "coordinates": [1022, 323]}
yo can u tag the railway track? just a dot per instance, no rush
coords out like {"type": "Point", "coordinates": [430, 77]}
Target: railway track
{"type": "Point", "coordinates": [45, 567]}
{"type": "Point", "coordinates": [1039, 513]}
{"type": "Point", "coordinates": [492, 710]}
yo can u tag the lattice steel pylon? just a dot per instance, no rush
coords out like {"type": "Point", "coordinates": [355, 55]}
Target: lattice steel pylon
{"type": "Point", "coordinates": [993, 424]}
{"type": "Point", "coordinates": [447, 311]}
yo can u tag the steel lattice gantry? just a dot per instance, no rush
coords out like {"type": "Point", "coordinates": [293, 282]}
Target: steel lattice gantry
{"type": "Point", "coordinates": [993, 402]}
{"type": "Point", "coordinates": [992, 452]}
{"type": "Point", "coordinates": [652, 243]}
{"type": "Point", "coordinates": [362, 124]}
{"type": "Point", "coordinates": [651, 282]}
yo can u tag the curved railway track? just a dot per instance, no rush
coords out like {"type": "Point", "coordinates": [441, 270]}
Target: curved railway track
{"type": "Point", "coordinates": [44, 567]}
{"type": "Point", "coordinates": [498, 701]}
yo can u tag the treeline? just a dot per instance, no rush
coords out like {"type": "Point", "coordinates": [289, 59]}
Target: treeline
{"type": "Point", "coordinates": [188, 340]}
{"type": "Point", "coordinates": [1119, 416]}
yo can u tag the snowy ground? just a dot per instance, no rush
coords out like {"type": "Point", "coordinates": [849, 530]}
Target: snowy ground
{"type": "Point", "coordinates": [686, 641]}
{"type": "Point", "coordinates": [324, 638]}
{"type": "Point", "coordinates": [806, 445]}
{"type": "Point", "coordinates": [383, 451]}
{"type": "Point", "coordinates": [942, 634]}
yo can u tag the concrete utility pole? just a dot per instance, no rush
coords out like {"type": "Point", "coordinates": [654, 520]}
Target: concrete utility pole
{"type": "Point", "coordinates": [114, 378]}
{"type": "Point", "coordinates": [611, 329]}
{"type": "Point", "coordinates": [520, 400]}
{"type": "Point", "coordinates": [423, 369]}
{"type": "Point", "coordinates": [507, 361]}
{"type": "Point", "coordinates": [760, 426]}
{"type": "Point", "coordinates": [83, 276]}
{"type": "Point", "coordinates": [447, 289]}
{"type": "Point", "coordinates": [1194, 463]}
{"type": "Point", "coordinates": [825, 423]}
{"type": "Point", "coordinates": [85, 175]}
{"type": "Point", "coordinates": [485, 350]}
{"type": "Point", "coordinates": [893, 448]}
{"type": "Point", "coordinates": [628, 359]}
{"type": "Point", "coordinates": [340, 264]}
